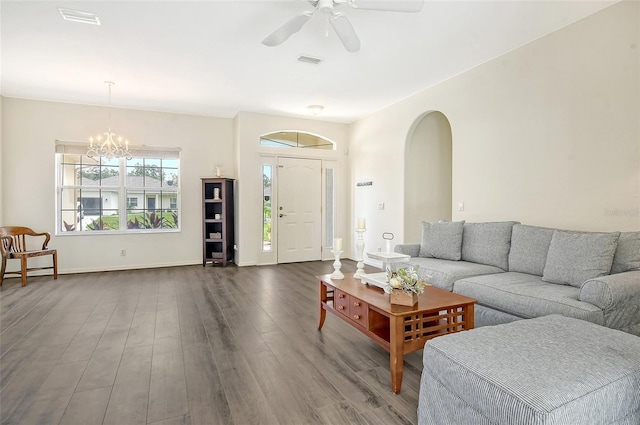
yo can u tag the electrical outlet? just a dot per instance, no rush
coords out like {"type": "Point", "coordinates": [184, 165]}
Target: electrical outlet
{"type": "Point", "coordinates": [123, 252]}
{"type": "Point", "coordinates": [380, 205]}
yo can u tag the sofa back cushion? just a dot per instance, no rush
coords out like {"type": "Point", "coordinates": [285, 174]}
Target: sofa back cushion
{"type": "Point", "coordinates": [529, 248]}
{"type": "Point", "coordinates": [487, 243]}
{"type": "Point", "coordinates": [627, 256]}
{"type": "Point", "coordinates": [575, 257]}
{"type": "Point", "coordinates": [441, 240]}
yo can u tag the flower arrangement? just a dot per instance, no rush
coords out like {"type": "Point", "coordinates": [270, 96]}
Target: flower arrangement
{"type": "Point", "coordinates": [405, 279]}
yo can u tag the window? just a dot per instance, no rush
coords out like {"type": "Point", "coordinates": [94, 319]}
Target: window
{"type": "Point", "coordinates": [267, 178]}
{"type": "Point", "coordinates": [296, 139]}
{"type": "Point", "coordinates": [110, 196]}
{"type": "Point", "coordinates": [329, 207]}
{"type": "Point", "coordinates": [132, 203]}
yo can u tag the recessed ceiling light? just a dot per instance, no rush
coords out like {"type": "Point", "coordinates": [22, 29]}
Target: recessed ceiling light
{"type": "Point", "coordinates": [315, 109]}
{"type": "Point", "coordinates": [309, 59]}
{"type": "Point", "coordinates": [79, 16]}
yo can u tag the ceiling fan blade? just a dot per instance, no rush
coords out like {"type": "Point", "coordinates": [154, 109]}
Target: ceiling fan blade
{"type": "Point", "coordinates": [345, 32]}
{"type": "Point", "coordinates": [291, 27]}
{"type": "Point", "coordinates": [388, 5]}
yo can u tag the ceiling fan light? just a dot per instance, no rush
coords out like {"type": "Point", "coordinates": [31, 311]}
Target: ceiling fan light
{"type": "Point", "coordinates": [325, 6]}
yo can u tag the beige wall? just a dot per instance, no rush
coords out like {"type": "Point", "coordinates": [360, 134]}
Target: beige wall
{"type": "Point", "coordinates": [547, 134]}
{"type": "Point", "coordinates": [29, 131]}
{"type": "Point", "coordinates": [1, 163]}
{"type": "Point", "coordinates": [31, 128]}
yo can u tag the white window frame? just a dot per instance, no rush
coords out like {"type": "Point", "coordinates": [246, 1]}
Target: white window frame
{"type": "Point", "coordinates": [124, 191]}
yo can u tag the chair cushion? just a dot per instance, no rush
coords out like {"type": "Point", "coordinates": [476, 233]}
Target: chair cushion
{"type": "Point", "coordinates": [575, 257]}
{"type": "Point", "coordinates": [29, 254]}
{"type": "Point", "coordinates": [442, 240]}
{"type": "Point", "coordinates": [627, 256]}
{"type": "Point", "coordinates": [487, 243]}
{"type": "Point", "coordinates": [529, 248]}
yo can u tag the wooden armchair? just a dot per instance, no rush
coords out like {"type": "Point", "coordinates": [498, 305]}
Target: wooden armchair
{"type": "Point", "coordinates": [13, 245]}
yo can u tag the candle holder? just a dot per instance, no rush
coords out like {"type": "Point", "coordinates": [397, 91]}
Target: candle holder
{"type": "Point", "coordinates": [360, 254]}
{"type": "Point", "coordinates": [337, 274]}
{"type": "Point", "coordinates": [388, 237]}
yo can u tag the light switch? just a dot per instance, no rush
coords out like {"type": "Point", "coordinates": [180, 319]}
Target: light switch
{"type": "Point", "coordinates": [461, 206]}
{"type": "Point", "coordinates": [380, 205]}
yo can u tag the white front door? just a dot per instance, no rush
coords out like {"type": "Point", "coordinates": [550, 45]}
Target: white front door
{"type": "Point", "coordinates": [299, 210]}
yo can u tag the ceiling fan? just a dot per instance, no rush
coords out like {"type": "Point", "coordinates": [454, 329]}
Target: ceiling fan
{"type": "Point", "coordinates": [338, 20]}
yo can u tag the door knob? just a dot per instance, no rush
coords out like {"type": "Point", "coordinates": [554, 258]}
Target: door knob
{"type": "Point", "coordinates": [281, 215]}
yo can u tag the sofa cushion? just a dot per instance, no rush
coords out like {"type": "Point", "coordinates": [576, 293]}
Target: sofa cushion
{"type": "Point", "coordinates": [442, 240]}
{"type": "Point", "coordinates": [529, 248]}
{"type": "Point", "coordinates": [443, 273]}
{"type": "Point", "coordinates": [527, 296]}
{"type": "Point", "coordinates": [577, 256]}
{"type": "Point", "coordinates": [627, 256]}
{"type": "Point", "coordinates": [487, 243]}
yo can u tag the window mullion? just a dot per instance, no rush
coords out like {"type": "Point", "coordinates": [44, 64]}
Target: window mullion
{"type": "Point", "coordinates": [122, 205]}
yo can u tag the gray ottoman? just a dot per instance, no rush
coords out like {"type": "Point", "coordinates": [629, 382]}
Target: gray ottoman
{"type": "Point", "coordinates": [549, 370]}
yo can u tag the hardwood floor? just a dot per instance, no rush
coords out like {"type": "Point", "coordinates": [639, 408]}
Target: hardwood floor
{"type": "Point", "coordinates": [191, 345]}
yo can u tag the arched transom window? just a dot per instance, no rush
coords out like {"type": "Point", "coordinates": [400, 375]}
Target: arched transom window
{"type": "Point", "coordinates": [296, 139]}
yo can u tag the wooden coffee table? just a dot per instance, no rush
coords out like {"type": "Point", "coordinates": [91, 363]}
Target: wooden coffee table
{"type": "Point", "coordinates": [398, 329]}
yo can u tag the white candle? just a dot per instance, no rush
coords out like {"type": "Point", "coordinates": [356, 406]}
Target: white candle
{"type": "Point", "coordinates": [337, 244]}
{"type": "Point", "coordinates": [361, 223]}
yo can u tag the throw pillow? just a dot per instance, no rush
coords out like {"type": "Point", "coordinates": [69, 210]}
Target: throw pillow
{"type": "Point", "coordinates": [487, 243]}
{"type": "Point", "coordinates": [529, 248]}
{"type": "Point", "coordinates": [627, 256]}
{"type": "Point", "coordinates": [576, 257]}
{"type": "Point", "coordinates": [442, 240]}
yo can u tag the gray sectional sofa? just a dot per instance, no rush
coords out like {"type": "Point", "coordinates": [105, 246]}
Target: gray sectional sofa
{"type": "Point", "coordinates": [516, 271]}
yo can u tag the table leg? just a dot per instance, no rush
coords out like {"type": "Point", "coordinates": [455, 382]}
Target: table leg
{"type": "Point", "coordinates": [322, 313]}
{"type": "Point", "coordinates": [396, 352]}
{"type": "Point", "coordinates": [469, 317]}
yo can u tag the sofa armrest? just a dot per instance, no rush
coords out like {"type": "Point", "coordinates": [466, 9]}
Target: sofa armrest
{"type": "Point", "coordinates": [618, 295]}
{"type": "Point", "coordinates": [411, 249]}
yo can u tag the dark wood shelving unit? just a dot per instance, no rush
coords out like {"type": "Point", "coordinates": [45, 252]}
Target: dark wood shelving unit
{"type": "Point", "coordinates": [217, 221]}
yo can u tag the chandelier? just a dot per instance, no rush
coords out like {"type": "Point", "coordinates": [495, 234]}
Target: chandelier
{"type": "Point", "coordinates": [108, 144]}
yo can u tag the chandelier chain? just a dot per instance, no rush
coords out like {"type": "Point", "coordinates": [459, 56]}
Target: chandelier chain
{"type": "Point", "coordinates": [108, 144]}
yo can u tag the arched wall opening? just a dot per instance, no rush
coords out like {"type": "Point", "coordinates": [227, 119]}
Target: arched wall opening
{"type": "Point", "coordinates": [428, 174]}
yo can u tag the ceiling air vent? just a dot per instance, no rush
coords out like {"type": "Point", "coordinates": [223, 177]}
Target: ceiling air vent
{"type": "Point", "coordinates": [79, 16]}
{"type": "Point", "coordinates": [309, 59]}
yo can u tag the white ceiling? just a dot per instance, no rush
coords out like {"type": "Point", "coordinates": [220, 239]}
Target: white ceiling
{"type": "Point", "coordinates": [206, 57]}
